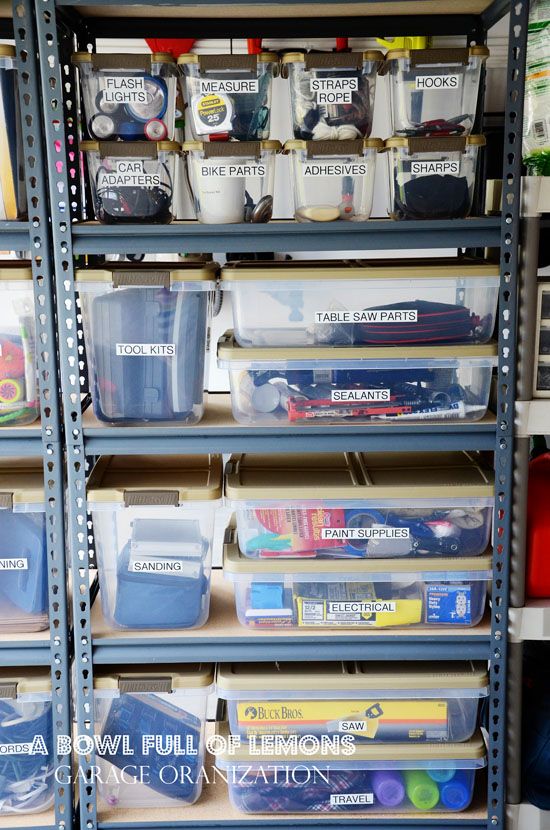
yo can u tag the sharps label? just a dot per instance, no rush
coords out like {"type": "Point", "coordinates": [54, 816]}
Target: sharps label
{"type": "Point", "coordinates": [424, 168]}
{"type": "Point", "coordinates": [16, 564]}
{"type": "Point", "coordinates": [355, 168]}
{"type": "Point", "coordinates": [235, 87]}
{"type": "Point", "coordinates": [370, 606]}
{"type": "Point", "coordinates": [339, 799]}
{"type": "Point", "coordinates": [436, 82]}
{"type": "Point", "coordinates": [380, 315]}
{"type": "Point", "coordinates": [128, 173]}
{"type": "Point", "coordinates": [360, 395]}
{"type": "Point", "coordinates": [145, 349]}
{"type": "Point", "coordinates": [233, 171]}
{"type": "Point", "coordinates": [373, 532]}
{"type": "Point", "coordinates": [123, 89]}
{"type": "Point", "coordinates": [333, 90]}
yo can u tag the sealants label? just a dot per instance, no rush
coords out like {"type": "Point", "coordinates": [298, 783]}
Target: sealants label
{"type": "Point", "coordinates": [360, 395]}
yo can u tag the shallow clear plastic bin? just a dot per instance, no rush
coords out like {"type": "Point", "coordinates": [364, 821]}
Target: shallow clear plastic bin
{"type": "Point", "coordinates": [232, 181]}
{"type": "Point", "coordinates": [28, 755]}
{"type": "Point", "coordinates": [375, 778]}
{"type": "Point", "coordinates": [228, 96]}
{"type": "Point", "coordinates": [160, 711]}
{"type": "Point", "coordinates": [333, 180]}
{"type": "Point", "coordinates": [332, 93]}
{"type": "Point", "coordinates": [153, 519]}
{"type": "Point", "coordinates": [357, 593]}
{"type": "Point", "coordinates": [145, 333]}
{"type": "Point", "coordinates": [132, 183]}
{"type": "Point", "coordinates": [346, 506]}
{"type": "Point", "coordinates": [13, 202]}
{"type": "Point", "coordinates": [434, 91]}
{"type": "Point", "coordinates": [357, 384]}
{"type": "Point", "coordinates": [19, 402]}
{"type": "Point", "coordinates": [385, 302]}
{"type": "Point", "coordinates": [372, 702]}
{"type": "Point", "coordinates": [128, 97]}
{"type": "Point", "coordinates": [432, 178]}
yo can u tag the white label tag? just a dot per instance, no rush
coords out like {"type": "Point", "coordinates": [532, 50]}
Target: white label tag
{"type": "Point", "coordinates": [437, 82]}
{"type": "Point", "coordinates": [18, 564]}
{"type": "Point", "coordinates": [170, 567]}
{"type": "Point", "coordinates": [360, 395]}
{"type": "Point", "coordinates": [381, 315]}
{"type": "Point", "coordinates": [338, 799]}
{"type": "Point", "coordinates": [424, 168]}
{"type": "Point", "coordinates": [235, 86]}
{"type": "Point", "coordinates": [351, 168]}
{"type": "Point", "coordinates": [373, 532]}
{"type": "Point", "coordinates": [368, 606]}
{"type": "Point", "coordinates": [352, 726]}
{"type": "Point", "coordinates": [17, 749]}
{"type": "Point", "coordinates": [233, 171]}
{"type": "Point", "coordinates": [333, 90]}
{"type": "Point", "coordinates": [124, 89]}
{"type": "Point", "coordinates": [128, 173]}
{"type": "Point", "coordinates": [145, 349]}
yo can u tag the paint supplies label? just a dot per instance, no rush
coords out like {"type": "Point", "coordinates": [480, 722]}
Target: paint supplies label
{"type": "Point", "coordinates": [437, 82]}
{"type": "Point", "coordinates": [145, 349]}
{"type": "Point", "coordinates": [15, 564]}
{"type": "Point", "coordinates": [360, 395]}
{"type": "Point", "coordinates": [449, 604]}
{"type": "Point", "coordinates": [333, 90]}
{"type": "Point", "coordinates": [373, 532]}
{"type": "Point", "coordinates": [381, 719]}
{"type": "Point", "coordinates": [242, 170]}
{"type": "Point", "coordinates": [379, 315]}
{"type": "Point", "coordinates": [124, 89]}
{"type": "Point", "coordinates": [212, 113]}
{"type": "Point", "coordinates": [351, 603]}
{"type": "Point", "coordinates": [235, 87]}
{"type": "Point", "coordinates": [347, 799]}
{"type": "Point", "coordinates": [321, 169]}
{"type": "Point", "coordinates": [128, 173]}
{"type": "Point", "coordinates": [427, 168]}
{"type": "Point", "coordinates": [294, 529]}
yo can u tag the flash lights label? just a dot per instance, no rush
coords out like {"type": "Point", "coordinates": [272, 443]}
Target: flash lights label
{"type": "Point", "coordinates": [374, 532]}
{"type": "Point", "coordinates": [356, 168]}
{"type": "Point", "coordinates": [369, 606]}
{"type": "Point", "coordinates": [233, 171]}
{"type": "Point", "coordinates": [145, 349]}
{"type": "Point", "coordinates": [424, 168]}
{"type": "Point", "coordinates": [128, 174]}
{"type": "Point", "coordinates": [121, 89]}
{"type": "Point", "coordinates": [14, 564]}
{"type": "Point", "coordinates": [360, 395]}
{"type": "Point", "coordinates": [381, 315]}
{"type": "Point", "coordinates": [341, 799]}
{"type": "Point", "coordinates": [439, 82]}
{"type": "Point", "coordinates": [236, 86]}
{"type": "Point", "coordinates": [333, 90]}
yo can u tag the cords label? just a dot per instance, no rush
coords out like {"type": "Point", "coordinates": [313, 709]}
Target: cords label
{"type": "Point", "coordinates": [380, 315]}
{"type": "Point", "coordinates": [235, 86]}
{"type": "Point", "coordinates": [374, 532]}
{"type": "Point", "coordinates": [14, 564]}
{"type": "Point", "coordinates": [361, 395]}
{"type": "Point", "coordinates": [436, 82]}
{"type": "Point", "coordinates": [233, 171]}
{"type": "Point", "coordinates": [352, 168]}
{"type": "Point", "coordinates": [145, 349]}
{"type": "Point", "coordinates": [333, 90]}
{"type": "Point", "coordinates": [122, 89]}
{"type": "Point", "coordinates": [128, 174]}
{"type": "Point", "coordinates": [423, 168]}
{"type": "Point", "coordinates": [338, 799]}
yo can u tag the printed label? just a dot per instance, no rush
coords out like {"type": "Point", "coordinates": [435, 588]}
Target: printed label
{"type": "Point", "coordinates": [337, 799]}
{"type": "Point", "coordinates": [437, 81]}
{"type": "Point", "coordinates": [333, 90]}
{"type": "Point", "coordinates": [211, 113]}
{"type": "Point", "coordinates": [233, 171]}
{"type": "Point", "coordinates": [369, 606]}
{"type": "Point", "coordinates": [145, 349]}
{"type": "Point", "coordinates": [18, 564]}
{"type": "Point", "coordinates": [351, 168]}
{"type": "Point", "coordinates": [380, 315]}
{"type": "Point", "coordinates": [234, 86]}
{"type": "Point", "coordinates": [128, 173]}
{"type": "Point", "coordinates": [424, 168]}
{"type": "Point", "coordinates": [123, 89]}
{"type": "Point", "coordinates": [360, 395]}
{"type": "Point", "coordinates": [172, 567]}
{"type": "Point", "coordinates": [374, 532]}
{"type": "Point", "coordinates": [449, 604]}
{"type": "Point", "coordinates": [35, 747]}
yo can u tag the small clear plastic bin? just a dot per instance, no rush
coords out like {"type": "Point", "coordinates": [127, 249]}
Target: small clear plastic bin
{"type": "Point", "coordinates": [150, 722]}
{"type": "Point", "coordinates": [27, 764]}
{"type": "Point", "coordinates": [419, 779]}
{"type": "Point", "coordinates": [145, 333]}
{"type": "Point", "coordinates": [19, 402]}
{"type": "Point", "coordinates": [13, 201]}
{"type": "Point", "coordinates": [228, 96]}
{"type": "Point", "coordinates": [351, 506]}
{"type": "Point", "coordinates": [132, 183]}
{"type": "Point", "coordinates": [128, 97]}
{"type": "Point", "coordinates": [357, 384]}
{"type": "Point", "coordinates": [434, 91]}
{"type": "Point", "coordinates": [357, 593]}
{"type": "Point", "coordinates": [432, 178]}
{"type": "Point", "coordinates": [332, 94]}
{"type": "Point", "coordinates": [153, 520]}
{"type": "Point", "coordinates": [378, 302]}
{"type": "Point", "coordinates": [232, 182]}
{"type": "Point", "coordinates": [373, 702]}
{"type": "Point", "coordinates": [333, 180]}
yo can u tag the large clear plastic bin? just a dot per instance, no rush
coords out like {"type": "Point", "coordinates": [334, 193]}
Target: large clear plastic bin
{"type": "Point", "coordinates": [414, 702]}
{"type": "Point", "coordinates": [332, 93]}
{"type": "Point", "coordinates": [374, 593]}
{"type": "Point", "coordinates": [145, 332]}
{"type": "Point", "coordinates": [13, 200]}
{"type": "Point", "coordinates": [379, 302]}
{"type": "Point", "coordinates": [150, 722]}
{"type": "Point", "coordinates": [153, 520]}
{"type": "Point", "coordinates": [228, 97]}
{"type": "Point", "coordinates": [357, 384]}
{"type": "Point", "coordinates": [347, 506]}
{"type": "Point", "coordinates": [128, 97]}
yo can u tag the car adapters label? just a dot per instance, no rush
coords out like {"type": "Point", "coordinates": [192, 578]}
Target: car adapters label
{"type": "Point", "coordinates": [145, 349]}
{"type": "Point", "coordinates": [124, 89]}
{"type": "Point", "coordinates": [128, 173]}
{"type": "Point", "coordinates": [378, 315]}
{"type": "Point", "coordinates": [245, 170]}
{"type": "Point", "coordinates": [360, 395]}
{"type": "Point", "coordinates": [373, 532]}
{"type": "Point", "coordinates": [15, 564]}
{"type": "Point", "coordinates": [437, 82]}
{"type": "Point", "coordinates": [333, 90]}
{"type": "Point", "coordinates": [435, 166]}
{"type": "Point", "coordinates": [319, 169]}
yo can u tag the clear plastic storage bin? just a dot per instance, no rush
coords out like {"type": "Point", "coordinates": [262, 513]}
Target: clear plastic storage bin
{"type": "Point", "coordinates": [129, 97]}
{"type": "Point", "coordinates": [414, 702]}
{"type": "Point", "coordinates": [19, 402]}
{"type": "Point", "coordinates": [432, 178]}
{"type": "Point", "coordinates": [434, 91]}
{"type": "Point", "coordinates": [153, 520]}
{"type": "Point", "coordinates": [384, 302]}
{"type": "Point", "coordinates": [229, 96]}
{"type": "Point", "coordinates": [333, 180]}
{"type": "Point", "coordinates": [28, 756]}
{"type": "Point", "coordinates": [357, 384]}
{"type": "Point", "coordinates": [145, 333]}
{"type": "Point", "coordinates": [332, 93]}
{"type": "Point", "coordinates": [13, 202]}
{"type": "Point", "coordinates": [232, 181]}
{"type": "Point", "coordinates": [357, 593]}
{"type": "Point", "coordinates": [376, 778]}
{"type": "Point", "coordinates": [151, 721]}
{"type": "Point", "coordinates": [23, 552]}
{"type": "Point", "coordinates": [132, 183]}
{"type": "Point", "coordinates": [374, 505]}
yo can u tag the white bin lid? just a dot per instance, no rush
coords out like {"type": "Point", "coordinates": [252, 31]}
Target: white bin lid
{"type": "Point", "coordinates": [29, 681]}
{"type": "Point", "coordinates": [149, 273]}
{"type": "Point", "coordinates": [15, 269]}
{"type": "Point", "coordinates": [21, 481]}
{"type": "Point", "coordinates": [161, 679]}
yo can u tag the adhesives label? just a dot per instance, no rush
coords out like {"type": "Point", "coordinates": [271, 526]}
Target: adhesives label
{"type": "Point", "coordinates": [171, 567]}
{"type": "Point", "coordinates": [425, 168]}
{"type": "Point", "coordinates": [352, 168]}
{"type": "Point", "coordinates": [449, 604]}
{"type": "Point", "coordinates": [145, 349]}
{"type": "Point", "coordinates": [236, 86]}
{"type": "Point", "coordinates": [333, 90]}
{"type": "Point", "coordinates": [360, 395]}
{"type": "Point", "coordinates": [437, 82]}
{"type": "Point", "coordinates": [379, 315]}
{"type": "Point", "coordinates": [16, 564]}
{"type": "Point", "coordinates": [373, 532]}
{"type": "Point", "coordinates": [339, 799]}
{"type": "Point", "coordinates": [233, 171]}
{"type": "Point", "coordinates": [128, 173]}
{"type": "Point", "coordinates": [124, 89]}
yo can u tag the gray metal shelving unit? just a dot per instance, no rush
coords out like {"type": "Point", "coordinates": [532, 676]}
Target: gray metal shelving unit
{"type": "Point", "coordinates": [65, 24]}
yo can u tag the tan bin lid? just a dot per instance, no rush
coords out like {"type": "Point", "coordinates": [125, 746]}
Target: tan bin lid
{"type": "Point", "coordinates": [21, 481]}
{"type": "Point", "coordinates": [34, 680]}
{"type": "Point", "coordinates": [153, 678]}
{"type": "Point", "coordinates": [17, 269]}
{"type": "Point", "coordinates": [163, 272]}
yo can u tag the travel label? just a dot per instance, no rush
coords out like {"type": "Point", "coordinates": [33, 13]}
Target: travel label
{"type": "Point", "coordinates": [16, 564]}
{"type": "Point", "coordinates": [360, 395]}
{"type": "Point", "coordinates": [333, 90]}
{"type": "Point", "coordinates": [424, 168]}
{"type": "Point", "coordinates": [343, 799]}
{"type": "Point", "coordinates": [172, 567]}
{"type": "Point", "coordinates": [145, 349]}
{"type": "Point", "coordinates": [207, 86]}
{"type": "Point", "coordinates": [379, 315]}
{"type": "Point", "coordinates": [128, 173]}
{"type": "Point", "coordinates": [123, 89]}
{"type": "Point", "coordinates": [373, 532]}
{"type": "Point", "coordinates": [351, 168]}
{"type": "Point", "coordinates": [437, 82]}
{"type": "Point", "coordinates": [233, 171]}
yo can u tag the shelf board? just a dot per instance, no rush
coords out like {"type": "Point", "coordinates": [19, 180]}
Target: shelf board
{"type": "Point", "coordinates": [532, 417]}
{"type": "Point", "coordinates": [277, 8]}
{"type": "Point", "coordinates": [29, 649]}
{"type": "Point", "coordinates": [531, 622]}
{"type": "Point", "coordinates": [527, 817]}
{"type": "Point", "coordinates": [286, 235]}
{"type": "Point", "coordinates": [14, 236]}
{"type": "Point", "coordinates": [21, 440]}
{"type": "Point", "coordinates": [29, 821]}
{"type": "Point", "coordinates": [219, 432]}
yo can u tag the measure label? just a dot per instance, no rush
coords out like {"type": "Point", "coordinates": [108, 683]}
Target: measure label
{"type": "Point", "coordinates": [333, 90]}
{"type": "Point", "coordinates": [145, 349]}
{"type": "Point", "coordinates": [235, 86]}
{"type": "Point", "coordinates": [123, 89]}
{"type": "Point", "coordinates": [128, 173]}
{"type": "Point", "coordinates": [423, 168]}
{"type": "Point", "coordinates": [339, 799]}
{"type": "Point", "coordinates": [356, 168]}
{"type": "Point", "coordinates": [233, 171]}
{"type": "Point", "coordinates": [373, 532]}
{"type": "Point", "coordinates": [360, 395]}
{"type": "Point", "coordinates": [16, 564]}
{"type": "Point", "coordinates": [381, 315]}
{"type": "Point", "coordinates": [437, 82]}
